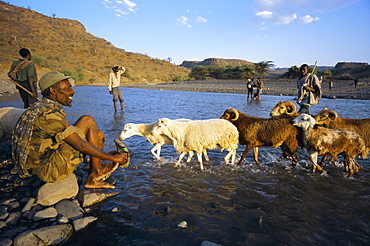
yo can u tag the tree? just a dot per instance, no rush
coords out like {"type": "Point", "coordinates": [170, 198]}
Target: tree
{"type": "Point", "coordinates": [261, 67]}
{"type": "Point", "coordinates": [199, 72]}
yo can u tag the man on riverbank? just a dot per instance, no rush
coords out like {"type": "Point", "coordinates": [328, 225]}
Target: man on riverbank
{"type": "Point", "coordinates": [45, 144]}
{"type": "Point", "coordinates": [114, 82]}
{"type": "Point", "coordinates": [24, 73]}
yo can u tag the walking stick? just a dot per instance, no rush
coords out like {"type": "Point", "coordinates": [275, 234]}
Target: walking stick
{"type": "Point", "coordinates": [23, 88]}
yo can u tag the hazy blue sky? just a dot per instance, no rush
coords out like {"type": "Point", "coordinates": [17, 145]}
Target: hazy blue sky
{"type": "Point", "coordinates": [286, 32]}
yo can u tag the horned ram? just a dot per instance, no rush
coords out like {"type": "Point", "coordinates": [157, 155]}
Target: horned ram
{"type": "Point", "coordinates": [257, 132]}
{"type": "Point", "coordinates": [321, 140]}
{"type": "Point", "coordinates": [199, 135]}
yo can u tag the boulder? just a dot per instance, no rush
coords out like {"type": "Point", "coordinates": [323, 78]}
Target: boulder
{"type": "Point", "coordinates": [51, 193]}
{"type": "Point", "coordinates": [50, 235]}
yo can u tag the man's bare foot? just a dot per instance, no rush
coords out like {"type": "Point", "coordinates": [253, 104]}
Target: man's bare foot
{"type": "Point", "coordinates": [98, 185]}
{"type": "Point", "coordinates": [107, 169]}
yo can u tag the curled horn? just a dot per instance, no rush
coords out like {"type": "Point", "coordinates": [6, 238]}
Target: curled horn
{"type": "Point", "coordinates": [332, 114]}
{"type": "Point", "coordinates": [233, 110]}
{"type": "Point", "coordinates": [291, 107]}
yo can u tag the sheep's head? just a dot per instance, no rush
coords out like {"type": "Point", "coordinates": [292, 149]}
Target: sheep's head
{"type": "Point", "coordinates": [305, 121]}
{"type": "Point", "coordinates": [127, 131]}
{"type": "Point", "coordinates": [161, 126]}
{"type": "Point", "coordinates": [230, 114]}
{"type": "Point", "coordinates": [284, 108]}
{"type": "Point", "coordinates": [326, 117]}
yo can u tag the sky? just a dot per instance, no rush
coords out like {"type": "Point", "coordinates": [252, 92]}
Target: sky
{"type": "Point", "coordinates": [285, 32]}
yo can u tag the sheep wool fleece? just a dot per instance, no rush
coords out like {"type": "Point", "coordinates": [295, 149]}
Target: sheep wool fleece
{"type": "Point", "coordinates": [38, 142]}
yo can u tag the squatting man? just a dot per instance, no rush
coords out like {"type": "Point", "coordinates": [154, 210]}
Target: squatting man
{"type": "Point", "coordinates": [45, 144]}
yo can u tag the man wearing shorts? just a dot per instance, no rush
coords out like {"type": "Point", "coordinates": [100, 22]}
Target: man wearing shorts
{"type": "Point", "coordinates": [45, 144]}
{"type": "Point", "coordinates": [114, 81]}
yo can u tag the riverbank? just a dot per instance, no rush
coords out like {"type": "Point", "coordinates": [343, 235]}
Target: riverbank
{"type": "Point", "coordinates": [283, 87]}
{"type": "Point", "coordinates": [341, 88]}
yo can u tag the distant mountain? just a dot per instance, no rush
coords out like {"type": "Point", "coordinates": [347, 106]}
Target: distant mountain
{"type": "Point", "coordinates": [64, 44]}
{"type": "Point", "coordinates": [211, 61]}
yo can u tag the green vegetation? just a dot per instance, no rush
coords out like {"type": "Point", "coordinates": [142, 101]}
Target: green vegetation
{"type": "Point", "coordinates": [294, 72]}
{"type": "Point", "coordinates": [77, 75]}
{"type": "Point", "coordinates": [217, 71]}
{"type": "Point", "coordinates": [39, 60]}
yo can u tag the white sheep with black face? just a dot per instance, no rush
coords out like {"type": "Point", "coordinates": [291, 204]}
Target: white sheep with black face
{"type": "Point", "coordinates": [145, 130]}
{"type": "Point", "coordinates": [199, 135]}
{"type": "Point", "coordinates": [8, 119]}
{"type": "Point", "coordinates": [320, 141]}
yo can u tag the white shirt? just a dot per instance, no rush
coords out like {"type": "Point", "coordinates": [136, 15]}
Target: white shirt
{"type": "Point", "coordinates": [114, 80]}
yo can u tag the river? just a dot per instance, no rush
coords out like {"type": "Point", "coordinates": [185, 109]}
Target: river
{"type": "Point", "coordinates": [274, 204]}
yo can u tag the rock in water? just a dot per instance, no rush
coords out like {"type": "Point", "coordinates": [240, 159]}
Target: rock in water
{"type": "Point", "coordinates": [183, 224]}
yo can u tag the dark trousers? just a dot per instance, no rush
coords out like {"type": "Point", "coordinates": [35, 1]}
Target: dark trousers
{"type": "Point", "coordinates": [27, 99]}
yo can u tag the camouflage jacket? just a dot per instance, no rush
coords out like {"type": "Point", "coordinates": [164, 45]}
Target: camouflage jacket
{"type": "Point", "coordinates": [40, 130]}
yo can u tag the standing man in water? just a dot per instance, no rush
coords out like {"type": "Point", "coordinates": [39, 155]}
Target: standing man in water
{"type": "Point", "coordinates": [45, 144]}
{"type": "Point", "coordinates": [24, 73]}
{"type": "Point", "coordinates": [309, 90]}
{"type": "Point", "coordinates": [114, 82]}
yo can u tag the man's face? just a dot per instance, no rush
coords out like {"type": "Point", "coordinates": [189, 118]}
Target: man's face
{"type": "Point", "coordinates": [65, 93]}
{"type": "Point", "coordinates": [304, 71]}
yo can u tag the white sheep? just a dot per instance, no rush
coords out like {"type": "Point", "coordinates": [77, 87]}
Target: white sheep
{"type": "Point", "coordinates": [321, 140]}
{"type": "Point", "coordinates": [199, 135]}
{"type": "Point", "coordinates": [145, 130]}
{"type": "Point", "coordinates": [8, 119]}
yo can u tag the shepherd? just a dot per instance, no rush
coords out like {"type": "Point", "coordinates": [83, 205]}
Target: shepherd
{"type": "Point", "coordinates": [309, 89]}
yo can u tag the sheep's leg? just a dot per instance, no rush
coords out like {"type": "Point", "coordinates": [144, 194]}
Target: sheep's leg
{"type": "Point", "coordinates": [180, 158]}
{"type": "Point", "coordinates": [247, 149]}
{"type": "Point", "coordinates": [277, 144]}
{"type": "Point", "coordinates": [191, 154]}
{"type": "Point", "coordinates": [313, 158]}
{"type": "Point", "coordinates": [205, 155]}
{"type": "Point", "coordinates": [158, 153]}
{"type": "Point", "coordinates": [199, 155]}
{"type": "Point", "coordinates": [255, 155]}
{"type": "Point", "coordinates": [232, 154]}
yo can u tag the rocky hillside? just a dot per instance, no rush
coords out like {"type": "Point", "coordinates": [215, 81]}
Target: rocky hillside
{"type": "Point", "coordinates": [352, 70]}
{"type": "Point", "coordinates": [65, 45]}
{"type": "Point", "coordinates": [211, 61]}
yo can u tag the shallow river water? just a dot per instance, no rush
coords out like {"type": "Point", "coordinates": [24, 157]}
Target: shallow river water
{"type": "Point", "coordinates": [274, 204]}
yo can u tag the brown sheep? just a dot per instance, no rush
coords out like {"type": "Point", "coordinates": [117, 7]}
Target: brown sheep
{"type": "Point", "coordinates": [257, 132]}
{"type": "Point", "coordinates": [321, 140]}
{"type": "Point", "coordinates": [287, 108]}
{"type": "Point", "coordinates": [330, 119]}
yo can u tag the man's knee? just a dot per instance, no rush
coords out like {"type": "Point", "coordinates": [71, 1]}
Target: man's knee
{"type": "Point", "coordinates": [86, 122]}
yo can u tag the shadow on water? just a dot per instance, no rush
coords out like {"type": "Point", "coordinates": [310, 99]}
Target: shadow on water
{"type": "Point", "coordinates": [274, 204]}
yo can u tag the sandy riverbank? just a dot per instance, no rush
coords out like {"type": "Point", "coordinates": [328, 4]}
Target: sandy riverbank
{"type": "Point", "coordinates": [341, 89]}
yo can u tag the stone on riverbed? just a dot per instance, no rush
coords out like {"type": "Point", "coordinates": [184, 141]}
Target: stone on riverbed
{"type": "Point", "coordinates": [88, 198]}
{"type": "Point", "coordinates": [69, 209]}
{"type": "Point", "coordinates": [51, 193]}
{"type": "Point", "coordinates": [51, 235]}
{"type": "Point", "coordinates": [83, 222]}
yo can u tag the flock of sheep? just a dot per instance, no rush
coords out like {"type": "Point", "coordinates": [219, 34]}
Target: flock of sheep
{"type": "Point", "coordinates": [324, 134]}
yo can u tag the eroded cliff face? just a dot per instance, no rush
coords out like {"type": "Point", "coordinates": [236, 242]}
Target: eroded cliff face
{"type": "Point", "coordinates": [351, 69]}
{"type": "Point", "coordinates": [64, 44]}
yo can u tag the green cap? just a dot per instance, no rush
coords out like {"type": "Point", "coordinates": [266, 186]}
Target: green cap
{"type": "Point", "coordinates": [51, 78]}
